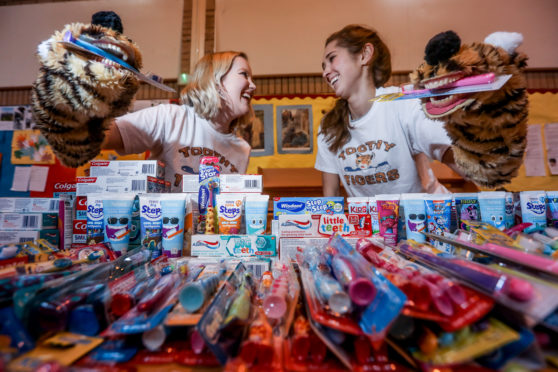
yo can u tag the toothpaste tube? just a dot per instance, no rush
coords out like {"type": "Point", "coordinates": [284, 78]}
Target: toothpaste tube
{"type": "Point", "coordinates": [510, 212]}
{"type": "Point", "coordinates": [388, 214]}
{"type": "Point", "coordinates": [255, 212]}
{"type": "Point", "coordinates": [467, 208]}
{"type": "Point", "coordinates": [533, 209]}
{"type": "Point", "coordinates": [229, 213]}
{"type": "Point", "coordinates": [552, 208]}
{"type": "Point", "coordinates": [373, 210]}
{"type": "Point", "coordinates": [117, 215]}
{"type": "Point", "coordinates": [493, 208]}
{"type": "Point", "coordinates": [173, 211]}
{"type": "Point", "coordinates": [151, 223]}
{"type": "Point", "coordinates": [415, 216]}
{"type": "Point", "coordinates": [95, 221]}
{"type": "Point", "coordinates": [438, 215]}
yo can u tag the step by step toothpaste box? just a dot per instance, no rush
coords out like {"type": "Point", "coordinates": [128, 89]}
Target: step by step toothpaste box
{"type": "Point", "coordinates": [325, 225]}
{"type": "Point", "coordinates": [262, 246]}
{"type": "Point", "coordinates": [153, 168]}
{"type": "Point", "coordinates": [289, 247]}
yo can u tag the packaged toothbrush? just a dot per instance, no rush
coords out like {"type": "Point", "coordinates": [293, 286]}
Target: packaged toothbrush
{"type": "Point", "coordinates": [209, 172]}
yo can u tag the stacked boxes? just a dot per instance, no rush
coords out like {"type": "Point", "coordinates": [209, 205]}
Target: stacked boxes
{"type": "Point", "coordinates": [30, 219]}
{"type": "Point", "coordinates": [116, 176]}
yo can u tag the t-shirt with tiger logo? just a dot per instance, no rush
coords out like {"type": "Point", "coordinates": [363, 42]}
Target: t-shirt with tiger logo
{"type": "Point", "coordinates": [179, 137]}
{"type": "Point", "coordinates": [378, 159]}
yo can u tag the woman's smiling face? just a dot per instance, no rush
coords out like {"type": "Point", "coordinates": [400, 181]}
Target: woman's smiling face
{"type": "Point", "coordinates": [340, 69]}
{"type": "Point", "coordinates": [238, 88]}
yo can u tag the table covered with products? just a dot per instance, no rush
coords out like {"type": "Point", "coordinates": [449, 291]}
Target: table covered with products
{"type": "Point", "coordinates": [126, 276]}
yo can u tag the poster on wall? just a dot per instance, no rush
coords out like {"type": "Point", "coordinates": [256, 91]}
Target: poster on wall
{"type": "Point", "coordinates": [259, 132]}
{"type": "Point", "coordinates": [30, 147]}
{"type": "Point", "coordinates": [294, 129]}
{"type": "Point", "coordinates": [16, 117]}
{"type": "Point", "coordinates": [551, 137]}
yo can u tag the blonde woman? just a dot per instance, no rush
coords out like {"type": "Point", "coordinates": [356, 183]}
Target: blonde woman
{"type": "Point", "coordinates": [215, 101]}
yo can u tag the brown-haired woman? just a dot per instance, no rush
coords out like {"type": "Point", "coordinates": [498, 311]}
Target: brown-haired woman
{"type": "Point", "coordinates": [371, 146]}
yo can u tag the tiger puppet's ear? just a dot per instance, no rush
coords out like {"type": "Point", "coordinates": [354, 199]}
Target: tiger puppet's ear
{"type": "Point", "coordinates": [488, 129]}
{"type": "Point", "coordinates": [77, 94]}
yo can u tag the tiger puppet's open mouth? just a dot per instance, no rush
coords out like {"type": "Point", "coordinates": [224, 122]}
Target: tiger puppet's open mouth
{"type": "Point", "coordinates": [438, 106]}
{"type": "Point", "coordinates": [488, 128]}
{"type": "Point", "coordinates": [77, 93]}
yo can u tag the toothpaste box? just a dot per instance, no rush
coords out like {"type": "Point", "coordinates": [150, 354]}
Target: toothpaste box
{"type": "Point", "coordinates": [288, 247]}
{"type": "Point", "coordinates": [10, 237]}
{"type": "Point", "coordinates": [79, 232]}
{"type": "Point", "coordinates": [29, 205]}
{"type": "Point", "coordinates": [153, 168]}
{"type": "Point", "coordinates": [28, 221]}
{"type": "Point", "coordinates": [235, 183]}
{"type": "Point", "coordinates": [234, 245]}
{"type": "Point", "coordinates": [121, 184]}
{"type": "Point", "coordinates": [306, 205]}
{"type": "Point", "coordinates": [325, 225]}
{"type": "Point", "coordinates": [241, 183]}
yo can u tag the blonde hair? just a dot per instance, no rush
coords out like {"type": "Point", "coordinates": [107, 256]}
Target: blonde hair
{"type": "Point", "coordinates": [202, 91]}
{"type": "Point", "coordinates": [335, 124]}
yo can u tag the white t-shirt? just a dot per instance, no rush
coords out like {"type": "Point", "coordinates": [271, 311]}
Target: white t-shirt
{"type": "Point", "coordinates": [378, 159]}
{"type": "Point", "coordinates": [179, 137]}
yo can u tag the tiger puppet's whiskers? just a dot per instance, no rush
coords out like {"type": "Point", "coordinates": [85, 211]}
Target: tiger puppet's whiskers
{"type": "Point", "coordinates": [488, 129]}
{"type": "Point", "coordinates": [76, 95]}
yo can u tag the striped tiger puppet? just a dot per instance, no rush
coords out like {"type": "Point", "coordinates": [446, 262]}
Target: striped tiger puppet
{"type": "Point", "coordinates": [76, 94]}
{"type": "Point", "coordinates": [488, 129]}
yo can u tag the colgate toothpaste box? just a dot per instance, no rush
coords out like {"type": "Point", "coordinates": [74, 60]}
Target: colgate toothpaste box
{"type": "Point", "coordinates": [153, 168]}
{"type": "Point", "coordinates": [261, 246]}
{"type": "Point", "coordinates": [79, 231]}
{"type": "Point", "coordinates": [121, 184]}
{"type": "Point", "coordinates": [62, 188]}
{"type": "Point", "coordinates": [325, 225]}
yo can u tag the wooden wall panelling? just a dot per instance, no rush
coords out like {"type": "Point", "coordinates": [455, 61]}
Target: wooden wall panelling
{"type": "Point", "coordinates": [275, 85]}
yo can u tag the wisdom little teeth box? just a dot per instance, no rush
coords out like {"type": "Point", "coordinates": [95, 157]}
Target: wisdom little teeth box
{"type": "Point", "coordinates": [324, 225]}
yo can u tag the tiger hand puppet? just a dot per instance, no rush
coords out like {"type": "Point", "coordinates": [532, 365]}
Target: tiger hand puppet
{"type": "Point", "coordinates": [76, 94]}
{"type": "Point", "coordinates": [488, 129]}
